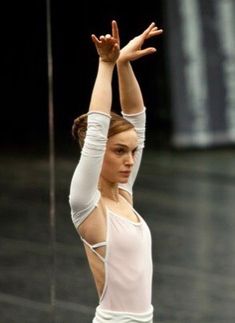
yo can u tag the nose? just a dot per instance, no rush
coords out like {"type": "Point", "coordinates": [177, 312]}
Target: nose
{"type": "Point", "coordinates": [129, 159]}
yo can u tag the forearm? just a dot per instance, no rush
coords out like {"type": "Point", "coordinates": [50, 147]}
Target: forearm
{"type": "Point", "coordinates": [131, 98]}
{"type": "Point", "coordinates": [138, 120]}
{"type": "Point", "coordinates": [101, 98]}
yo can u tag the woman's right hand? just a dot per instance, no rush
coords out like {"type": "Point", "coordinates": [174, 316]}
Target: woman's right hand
{"type": "Point", "coordinates": [108, 46]}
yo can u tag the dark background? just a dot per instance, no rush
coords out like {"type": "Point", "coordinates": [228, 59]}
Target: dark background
{"type": "Point", "coordinates": [25, 109]}
{"type": "Point", "coordinates": [186, 196]}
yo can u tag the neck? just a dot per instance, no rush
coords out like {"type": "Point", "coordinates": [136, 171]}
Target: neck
{"type": "Point", "coordinates": [109, 190]}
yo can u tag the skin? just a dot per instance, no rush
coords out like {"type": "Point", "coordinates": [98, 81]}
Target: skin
{"type": "Point", "coordinates": [120, 150]}
{"type": "Point", "coordinates": [117, 165]}
{"type": "Point", "coordinates": [118, 161]}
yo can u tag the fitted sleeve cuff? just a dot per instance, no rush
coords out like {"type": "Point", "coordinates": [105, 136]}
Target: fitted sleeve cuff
{"type": "Point", "coordinates": [98, 124]}
{"type": "Point", "coordinates": [137, 119]}
{"type": "Point", "coordinates": [99, 113]}
{"type": "Point", "coordinates": [134, 114]}
{"type": "Point", "coordinates": [96, 134]}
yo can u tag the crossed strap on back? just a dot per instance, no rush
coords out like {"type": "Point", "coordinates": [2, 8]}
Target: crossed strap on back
{"type": "Point", "coordinates": [95, 246]}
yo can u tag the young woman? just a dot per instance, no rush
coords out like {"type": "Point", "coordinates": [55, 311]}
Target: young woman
{"type": "Point", "coordinates": [117, 240]}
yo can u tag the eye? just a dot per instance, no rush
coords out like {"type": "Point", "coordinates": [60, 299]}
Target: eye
{"type": "Point", "coordinates": [120, 151]}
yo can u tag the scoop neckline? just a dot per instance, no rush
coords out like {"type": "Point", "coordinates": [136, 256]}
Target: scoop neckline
{"type": "Point", "coordinates": [125, 219]}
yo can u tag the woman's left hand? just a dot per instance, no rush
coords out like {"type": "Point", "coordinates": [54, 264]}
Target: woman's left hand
{"type": "Point", "coordinates": [133, 50]}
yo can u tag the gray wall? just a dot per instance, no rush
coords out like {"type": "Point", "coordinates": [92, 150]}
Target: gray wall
{"type": "Point", "coordinates": [201, 53]}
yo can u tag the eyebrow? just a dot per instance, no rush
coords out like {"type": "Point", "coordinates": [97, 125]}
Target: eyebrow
{"type": "Point", "coordinates": [125, 146]}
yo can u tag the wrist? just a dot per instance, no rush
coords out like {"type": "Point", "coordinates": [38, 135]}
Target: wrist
{"type": "Point", "coordinates": [123, 62]}
{"type": "Point", "coordinates": [106, 62]}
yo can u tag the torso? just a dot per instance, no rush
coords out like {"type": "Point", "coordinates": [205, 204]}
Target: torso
{"type": "Point", "coordinates": [94, 230]}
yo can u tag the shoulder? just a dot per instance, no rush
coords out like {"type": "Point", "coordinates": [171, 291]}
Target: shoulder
{"type": "Point", "coordinates": [127, 196]}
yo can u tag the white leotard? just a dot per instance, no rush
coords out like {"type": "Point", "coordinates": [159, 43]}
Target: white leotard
{"type": "Point", "coordinates": [126, 296]}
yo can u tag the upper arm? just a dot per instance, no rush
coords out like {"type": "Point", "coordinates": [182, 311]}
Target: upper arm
{"type": "Point", "coordinates": [84, 194]}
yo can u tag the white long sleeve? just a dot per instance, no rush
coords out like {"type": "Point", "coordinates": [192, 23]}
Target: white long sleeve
{"type": "Point", "coordinates": [84, 194]}
{"type": "Point", "coordinates": [139, 122]}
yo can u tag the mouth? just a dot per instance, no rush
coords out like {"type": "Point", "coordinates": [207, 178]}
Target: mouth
{"type": "Point", "coordinates": [125, 173]}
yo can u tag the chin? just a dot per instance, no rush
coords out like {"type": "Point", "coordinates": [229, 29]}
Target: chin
{"type": "Point", "coordinates": [123, 181]}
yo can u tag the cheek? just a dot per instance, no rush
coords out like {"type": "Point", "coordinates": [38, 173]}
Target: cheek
{"type": "Point", "coordinates": [109, 169]}
{"type": "Point", "coordinates": [111, 162]}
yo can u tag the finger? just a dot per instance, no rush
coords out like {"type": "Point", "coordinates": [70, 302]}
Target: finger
{"type": "Point", "coordinates": [153, 33]}
{"type": "Point", "coordinates": [115, 31]}
{"type": "Point", "coordinates": [155, 28]}
{"type": "Point", "coordinates": [95, 39]}
{"type": "Point", "coordinates": [101, 39]}
{"type": "Point", "coordinates": [147, 51]}
{"type": "Point", "coordinates": [146, 32]}
{"type": "Point", "coordinates": [150, 27]}
{"type": "Point", "coordinates": [159, 31]}
{"type": "Point", "coordinates": [156, 32]}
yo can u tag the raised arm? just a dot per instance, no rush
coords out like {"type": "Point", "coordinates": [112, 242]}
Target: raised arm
{"type": "Point", "coordinates": [130, 93]}
{"type": "Point", "coordinates": [131, 99]}
{"type": "Point", "coordinates": [108, 50]}
{"type": "Point", "coordinates": [84, 194]}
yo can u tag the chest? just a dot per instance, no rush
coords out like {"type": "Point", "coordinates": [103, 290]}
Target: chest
{"type": "Point", "coordinates": [122, 209]}
{"type": "Point", "coordinates": [127, 239]}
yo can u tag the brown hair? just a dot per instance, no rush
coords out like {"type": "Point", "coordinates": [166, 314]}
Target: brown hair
{"type": "Point", "coordinates": [117, 124]}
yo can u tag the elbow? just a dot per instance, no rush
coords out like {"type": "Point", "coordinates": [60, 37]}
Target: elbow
{"type": "Point", "coordinates": [77, 203]}
{"type": "Point", "coordinates": [80, 203]}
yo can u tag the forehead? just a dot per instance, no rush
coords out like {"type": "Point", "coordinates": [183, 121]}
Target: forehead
{"type": "Point", "coordinates": [128, 137]}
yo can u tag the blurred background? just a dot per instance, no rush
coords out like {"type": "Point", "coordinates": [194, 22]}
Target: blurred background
{"type": "Point", "coordinates": [186, 185]}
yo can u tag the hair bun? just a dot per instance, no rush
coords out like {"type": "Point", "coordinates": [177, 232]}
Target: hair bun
{"type": "Point", "coordinates": [79, 128]}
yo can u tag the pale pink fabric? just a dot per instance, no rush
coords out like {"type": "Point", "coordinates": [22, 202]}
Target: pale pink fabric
{"type": "Point", "coordinates": [128, 265]}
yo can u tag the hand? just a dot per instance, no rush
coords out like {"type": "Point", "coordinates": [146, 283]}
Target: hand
{"type": "Point", "coordinates": [133, 50]}
{"type": "Point", "coordinates": [108, 46]}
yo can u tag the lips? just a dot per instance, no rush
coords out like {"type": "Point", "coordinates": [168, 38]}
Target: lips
{"type": "Point", "coordinates": [125, 173]}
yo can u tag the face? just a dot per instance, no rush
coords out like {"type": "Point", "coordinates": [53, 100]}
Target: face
{"type": "Point", "coordinates": [119, 157]}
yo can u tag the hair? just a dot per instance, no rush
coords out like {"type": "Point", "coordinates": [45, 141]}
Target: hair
{"type": "Point", "coordinates": [117, 124]}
